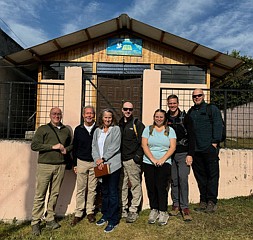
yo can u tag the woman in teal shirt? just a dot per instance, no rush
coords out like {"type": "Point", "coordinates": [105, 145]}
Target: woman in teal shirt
{"type": "Point", "coordinates": [158, 143]}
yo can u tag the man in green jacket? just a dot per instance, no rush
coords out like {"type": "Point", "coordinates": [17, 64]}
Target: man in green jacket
{"type": "Point", "coordinates": [52, 141]}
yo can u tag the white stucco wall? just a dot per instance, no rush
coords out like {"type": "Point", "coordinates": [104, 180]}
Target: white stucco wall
{"type": "Point", "coordinates": [18, 168]}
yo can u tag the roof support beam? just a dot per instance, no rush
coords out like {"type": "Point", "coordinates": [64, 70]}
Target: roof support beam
{"type": "Point", "coordinates": [34, 55]}
{"type": "Point", "coordinates": [87, 33]}
{"type": "Point", "coordinates": [162, 36]}
{"type": "Point", "coordinates": [194, 48]}
{"type": "Point", "coordinates": [56, 44]}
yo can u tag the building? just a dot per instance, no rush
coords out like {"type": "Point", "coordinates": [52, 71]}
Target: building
{"type": "Point", "coordinates": [115, 61]}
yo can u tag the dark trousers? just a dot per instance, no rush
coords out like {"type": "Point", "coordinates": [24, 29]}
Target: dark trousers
{"type": "Point", "coordinates": [206, 171]}
{"type": "Point", "coordinates": [110, 197]}
{"type": "Point", "coordinates": [157, 179]}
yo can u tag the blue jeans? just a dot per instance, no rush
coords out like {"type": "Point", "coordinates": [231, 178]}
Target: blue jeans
{"type": "Point", "coordinates": [110, 197]}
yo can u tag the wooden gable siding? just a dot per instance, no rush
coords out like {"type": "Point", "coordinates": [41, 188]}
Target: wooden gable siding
{"type": "Point", "coordinates": [151, 54]}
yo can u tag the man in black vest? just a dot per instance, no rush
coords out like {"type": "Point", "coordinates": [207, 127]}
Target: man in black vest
{"type": "Point", "coordinates": [131, 153]}
{"type": "Point", "coordinates": [182, 159]}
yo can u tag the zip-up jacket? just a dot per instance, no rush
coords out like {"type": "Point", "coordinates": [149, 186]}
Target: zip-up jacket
{"type": "Point", "coordinates": [206, 132]}
{"type": "Point", "coordinates": [183, 126]}
{"type": "Point", "coordinates": [131, 140]}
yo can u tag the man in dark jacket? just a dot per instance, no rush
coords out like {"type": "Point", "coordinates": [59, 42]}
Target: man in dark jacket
{"type": "Point", "coordinates": [86, 182]}
{"type": "Point", "coordinates": [182, 159]}
{"type": "Point", "coordinates": [52, 141]}
{"type": "Point", "coordinates": [132, 153]}
{"type": "Point", "coordinates": [206, 158]}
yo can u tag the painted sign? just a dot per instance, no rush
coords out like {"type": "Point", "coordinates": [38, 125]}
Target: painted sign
{"type": "Point", "coordinates": [124, 46]}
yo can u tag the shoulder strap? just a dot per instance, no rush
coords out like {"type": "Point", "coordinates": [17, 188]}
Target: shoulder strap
{"type": "Point", "coordinates": [54, 132]}
{"type": "Point", "coordinates": [134, 127]}
{"type": "Point", "coordinates": [209, 111]}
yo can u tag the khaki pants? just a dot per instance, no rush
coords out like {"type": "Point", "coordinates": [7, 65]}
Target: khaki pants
{"type": "Point", "coordinates": [48, 177]}
{"type": "Point", "coordinates": [131, 172]}
{"type": "Point", "coordinates": [85, 182]}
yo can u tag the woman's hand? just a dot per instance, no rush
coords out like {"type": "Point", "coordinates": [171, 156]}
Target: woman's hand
{"type": "Point", "coordinates": [160, 163]}
{"type": "Point", "coordinates": [100, 163]}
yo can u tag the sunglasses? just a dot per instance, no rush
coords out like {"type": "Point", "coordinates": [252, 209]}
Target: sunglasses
{"type": "Point", "coordinates": [130, 109]}
{"type": "Point", "coordinates": [198, 95]}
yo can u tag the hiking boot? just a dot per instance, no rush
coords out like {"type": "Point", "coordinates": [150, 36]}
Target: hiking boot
{"type": "Point", "coordinates": [91, 218]}
{"type": "Point", "coordinates": [211, 207]}
{"type": "Point", "coordinates": [36, 229]}
{"type": "Point", "coordinates": [163, 218]}
{"type": "Point", "coordinates": [186, 215]}
{"type": "Point", "coordinates": [174, 211]}
{"type": "Point", "coordinates": [52, 225]}
{"type": "Point", "coordinates": [132, 217]}
{"type": "Point", "coordinates": [202, 207]}
{"type": "Point", "coordinates": [154, 214]}
{"type": "Point", "coordinates": [75, 221]}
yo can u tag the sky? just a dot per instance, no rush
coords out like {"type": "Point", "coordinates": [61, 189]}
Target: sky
{"type": "Point", "coordinates": [223, 25]}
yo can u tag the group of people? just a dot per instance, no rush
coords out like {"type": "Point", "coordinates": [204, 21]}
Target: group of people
{"type": "Point", "coordinates": [163, 151]}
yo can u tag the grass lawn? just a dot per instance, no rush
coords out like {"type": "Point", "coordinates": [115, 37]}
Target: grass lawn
{"type": "Point", "coordinates": [233, 220]}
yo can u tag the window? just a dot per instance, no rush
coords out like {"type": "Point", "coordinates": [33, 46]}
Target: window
{"type": "Point", "coordinates": [56, 70]}
{"type": "Point", "coordinates": [187, 74]}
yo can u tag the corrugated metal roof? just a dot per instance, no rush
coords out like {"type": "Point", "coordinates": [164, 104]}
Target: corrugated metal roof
{"type": "Point", "coordinates": [221, 63]}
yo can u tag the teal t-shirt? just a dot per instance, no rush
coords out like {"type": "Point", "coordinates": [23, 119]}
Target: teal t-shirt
{"type": "Point", "coordinates": [158, 143]}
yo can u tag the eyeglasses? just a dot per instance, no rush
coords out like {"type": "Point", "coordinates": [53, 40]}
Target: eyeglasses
{"type": "Point", "coordinates": [130, 109]}
{"type": "Point", "coordinates": [198, 95]}
{"type": "Point", "coordinates": [56, 114]}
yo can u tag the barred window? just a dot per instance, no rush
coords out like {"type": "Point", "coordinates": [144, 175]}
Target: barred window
{"type": "Point", "coordinates": [187, 74]}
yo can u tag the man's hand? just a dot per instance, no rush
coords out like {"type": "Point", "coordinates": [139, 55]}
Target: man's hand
{"type": "Point", "coordinates": [58, 146]}
{"type": "Point", "coordinates": [215, 145]}
{"type": "Point", "coordinates": [188, 160]}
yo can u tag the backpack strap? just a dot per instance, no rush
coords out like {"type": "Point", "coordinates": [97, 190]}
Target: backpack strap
{"type": "Point", "coordinates": [134, 127]}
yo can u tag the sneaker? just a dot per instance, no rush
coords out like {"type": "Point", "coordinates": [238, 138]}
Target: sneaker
{"type": "Point", "coordinates": [186, 215]}
{"type": "Point", "coordinates": [174, 211]}
{"type": "Point", "coordinates": [163, 218]}
{"type": "Point", "coordinates": [154, 214]}
{"type": "Point", "coordinates": [202, 207]}
{"type": "Point", "coordinates": [52, 225]}
{"type": "Point", "coordinates": [124, 214]}
{"type": "Point", "coordinates": [110, 228]}
{"type": "Point", "coordinates": [211, 207]}
{"type": "Point", "coordinates": [101, 222]}
{"type": "Point", "coordinates": [36, 229]}
{"type": "Point", "coordinates": [132, 217]}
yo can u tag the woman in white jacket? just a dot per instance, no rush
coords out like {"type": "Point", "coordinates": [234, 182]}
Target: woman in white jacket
{"type": "Point", "coordinates": [106, 150]}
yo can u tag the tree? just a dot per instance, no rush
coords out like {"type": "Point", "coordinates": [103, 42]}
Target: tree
{"type": "Point", "coordinates": [238, 85]}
